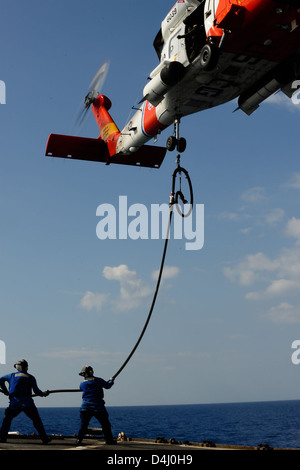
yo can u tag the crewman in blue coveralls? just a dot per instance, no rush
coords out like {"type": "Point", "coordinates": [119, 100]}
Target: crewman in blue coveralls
{"type": "Point", "coordinates": [93, 404]}
{"type": "Point", "coordinates": [21, 386]}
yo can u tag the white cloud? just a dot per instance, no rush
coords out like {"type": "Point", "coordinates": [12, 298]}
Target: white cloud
{"type": "Point", "coordinates": [253, 213]}
{"type": "Point", "coordinates": [294, 182]}
{"type": "Point", "coordinates": [289, 262]}
{"type": "Point", "coordinates": [118, 273]}
{"type": "Point", "coordinates": [70, 353]}
{"type": "Point", "coordinates": [168, 272]}
{"type": "Point", "coordinates": [284, 313]}
{"type": "Point", "coordinates": [133, 290]}
{"type": "Point", "coordinates": [86, 355]}
{"type": "Point", "coordinates": [293, 228]}
{"type": "Point", "coordinates": [276, 288]}
{"type": "Point", "coordinates": [276, 215]}
{"type": "Point", "coordinates": [248, 270]}
{"type": "Point", "coordinates": [254, 195]}
{"type": "Point", "coordinates": [246, 230]}
{"type": "Point", "coordinates": [280, 99]}
{"type": "Point", "coordinates": [282, 286]}
{"type": "Point", "coordinates": [91, 300]}
{"type": "Point", "coordinates": [230, 216]}
{"type": "Point", "coordinates": [279, 277]}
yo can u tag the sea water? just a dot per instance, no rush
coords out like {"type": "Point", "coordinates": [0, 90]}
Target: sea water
{"type": "Point", "coordinates": [275, 423]}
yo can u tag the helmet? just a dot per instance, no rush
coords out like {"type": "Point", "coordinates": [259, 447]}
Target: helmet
{"type": "Point", "coordinates": [21, 366]}
{"type": "Point", "coordinates": [86, 371]}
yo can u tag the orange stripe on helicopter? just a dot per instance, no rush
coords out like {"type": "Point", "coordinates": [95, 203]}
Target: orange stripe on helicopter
{"type": "Point", "coordinates": [150, 124]}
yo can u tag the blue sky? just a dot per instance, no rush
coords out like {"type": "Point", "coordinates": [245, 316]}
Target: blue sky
{"type": "Point", "coordinates": [226, 315]}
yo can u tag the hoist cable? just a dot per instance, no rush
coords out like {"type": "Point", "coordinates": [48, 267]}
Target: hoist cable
{"type": "Point", "coordinates": [66, 390]}
{"type": "Point", "coordinates": [174, 200]}
{"type": "Point", "coordinates": [153, 301]}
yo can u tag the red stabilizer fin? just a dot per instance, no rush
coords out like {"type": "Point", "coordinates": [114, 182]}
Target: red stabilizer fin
{"type": "Point", "coordinates": [76, 148]}
{"type": "Point", "coordinates": [96, 150]}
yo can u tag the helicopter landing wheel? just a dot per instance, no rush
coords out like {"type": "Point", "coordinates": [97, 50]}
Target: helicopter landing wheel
{"type": "Point", "coordinates": [174, 141]}
{"type": "Point", "coordinates": [209, 56]}
{"type": "Point", "coordinates": [181, 145]}
{"type": "Point", "coordinates": [171, 143]}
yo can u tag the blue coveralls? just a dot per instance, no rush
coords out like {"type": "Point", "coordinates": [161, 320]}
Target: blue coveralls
{"type": "Point", "coordinates": [94, 405]}
{"type": "Point", "coordinates": [21, 386]}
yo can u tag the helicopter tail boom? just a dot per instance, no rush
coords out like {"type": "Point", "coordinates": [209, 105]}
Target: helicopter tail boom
{"type": "Point", "coordinates": [104, 148]}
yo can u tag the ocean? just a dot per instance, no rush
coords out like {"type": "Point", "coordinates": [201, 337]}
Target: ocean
{"type": "Point", "coordinates": [275, 423]}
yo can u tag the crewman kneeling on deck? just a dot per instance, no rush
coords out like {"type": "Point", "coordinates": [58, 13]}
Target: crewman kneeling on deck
{"type": "Point", "coordinates": [21, 386]}
{"type": "Point", "coordinates": [93, 404]}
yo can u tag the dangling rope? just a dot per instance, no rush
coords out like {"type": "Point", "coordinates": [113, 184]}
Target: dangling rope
{"type": "Point", "coordinates": [153, 301]}
{"type": "Point", "coordinates": [64, 390]}
{"type": "Point", "coordinates": [173, 200]}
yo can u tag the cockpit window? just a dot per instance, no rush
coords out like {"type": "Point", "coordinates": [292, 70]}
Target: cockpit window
{"type": "Point", "coordinates": [158, 44]}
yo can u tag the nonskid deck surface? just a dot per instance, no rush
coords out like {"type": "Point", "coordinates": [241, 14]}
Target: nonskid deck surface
{"type": "Point", "coordinates": [68, 443]}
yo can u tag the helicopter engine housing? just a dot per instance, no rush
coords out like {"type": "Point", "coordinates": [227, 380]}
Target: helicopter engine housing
{"type": "Point", "coordinates": [170, 74]}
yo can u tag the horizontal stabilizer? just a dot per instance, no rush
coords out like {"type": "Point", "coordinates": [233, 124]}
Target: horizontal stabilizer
{"type": "Point", "coordinates": [96, 150]}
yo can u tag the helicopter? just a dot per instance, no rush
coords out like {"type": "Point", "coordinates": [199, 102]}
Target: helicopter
{"type": "Point", "coordinates": [210, 52]}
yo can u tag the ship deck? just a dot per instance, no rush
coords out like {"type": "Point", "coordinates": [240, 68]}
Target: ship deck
{"type": "Point", "coordinates": [129, 445]}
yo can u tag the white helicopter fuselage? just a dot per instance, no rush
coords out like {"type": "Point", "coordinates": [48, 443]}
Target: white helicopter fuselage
{"type": "Point", "coordinates": [210, 53]}
{"type": "Point", "coordinates": [236, 72]}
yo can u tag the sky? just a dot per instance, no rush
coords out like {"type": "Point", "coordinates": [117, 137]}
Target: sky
{"type": "Point", "coordinates": [227, 315]}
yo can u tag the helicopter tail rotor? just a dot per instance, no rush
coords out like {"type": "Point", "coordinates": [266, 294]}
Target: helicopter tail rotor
{"type": "Point", "coordinates": [95, 88]}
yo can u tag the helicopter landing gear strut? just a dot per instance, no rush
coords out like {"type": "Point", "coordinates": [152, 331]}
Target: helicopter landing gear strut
{"type": "Point", "coordinates": [174, 141]}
